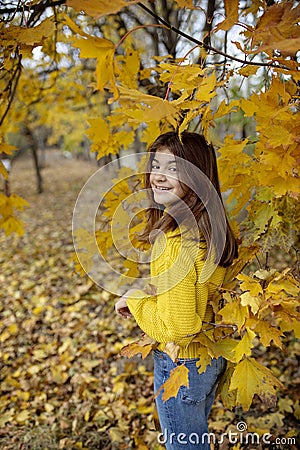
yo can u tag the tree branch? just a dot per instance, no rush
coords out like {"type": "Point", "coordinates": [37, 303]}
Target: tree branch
{"type": "Point", "coordinates": [206, 46]}
{"type": "Point", "coordinates": [15, 78]}
{"type": "Point", "coordinates": [33, 8]}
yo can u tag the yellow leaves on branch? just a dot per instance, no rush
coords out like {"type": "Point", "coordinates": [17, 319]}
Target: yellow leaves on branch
{"type": "Point", "coordinates": [144, 345]}
{"type": "Point", "coordinates": [9, 222]}
{"type": "Point", "coordinates": [235, 173]}
{"type": "Point", "coordinates": [234, 313]}
{"type": "Point", "coordinates": [270, 166]}
{"type": "Point", "coordinates": [106, 142]}
{"type": "Point", "coordinates": [262, 311]}
{"type": "Point", "coordinates": [276, 33]}
{"type": "Point", "coordinates": [128, 65]}
{"type": "Point", "coordinates": [101, 49]}
{"type": "Point", "coordinates": [147, 108]}
{"type": "Point", "coordinates": [277, 29]}
{"type": "Point", "coordinates": [27, 38]}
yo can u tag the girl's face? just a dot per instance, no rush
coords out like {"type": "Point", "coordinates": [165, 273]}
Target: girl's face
{"type": "Point", "coordinates": [164, 179]}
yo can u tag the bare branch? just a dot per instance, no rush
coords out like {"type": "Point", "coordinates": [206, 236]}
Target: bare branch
{"type": "Point", "coordinates": [207, 46]}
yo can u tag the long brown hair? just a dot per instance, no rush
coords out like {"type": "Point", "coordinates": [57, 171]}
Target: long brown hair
{"type": "Point", "coordinates": [200, 160]}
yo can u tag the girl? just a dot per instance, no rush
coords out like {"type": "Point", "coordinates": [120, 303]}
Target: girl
{"type": "Point", "coordinates": [187, 271]}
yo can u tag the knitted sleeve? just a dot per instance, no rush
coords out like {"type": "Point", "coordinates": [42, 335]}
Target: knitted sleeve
{"type": "Point", "coordinates": [171, 315]}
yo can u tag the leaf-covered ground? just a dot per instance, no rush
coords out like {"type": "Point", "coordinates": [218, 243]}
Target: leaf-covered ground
{"type": "Point", "coordinates": [62, 384]}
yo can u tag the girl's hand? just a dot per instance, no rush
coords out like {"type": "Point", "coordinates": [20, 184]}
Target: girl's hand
{"type": "Point", "coordinates": [122, 309]}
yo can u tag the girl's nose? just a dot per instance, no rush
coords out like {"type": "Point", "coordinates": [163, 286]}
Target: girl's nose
{"type": "Point", "coordinates": [159, 176]}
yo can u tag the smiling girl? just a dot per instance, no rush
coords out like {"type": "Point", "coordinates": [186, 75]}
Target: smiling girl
{"type": "Point", "coordinates": [193, 245]}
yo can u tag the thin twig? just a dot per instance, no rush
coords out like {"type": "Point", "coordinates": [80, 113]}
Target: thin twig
{"type": "Point", "coordinates": [137, 28]}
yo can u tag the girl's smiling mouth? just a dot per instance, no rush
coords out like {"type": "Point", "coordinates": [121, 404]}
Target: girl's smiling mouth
{"type": "Point", "coordinates": [162, 188]}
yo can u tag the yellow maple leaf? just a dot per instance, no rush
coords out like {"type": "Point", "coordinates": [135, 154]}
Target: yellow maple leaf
{"type": "Point", "coordinates": [147, 108]}
{"type": "Point", "coordinates": [249, 106]}
{"type": "Point", "coordinates": [285, 46]}
{"type": "Point", "coordinates": [276, 135]}
{"type": "Point", "coordinates": [223, 347]}
{"type": "Point", "coordinates": [32, 36]}
{"type": "Point", "coordinates": [234, 313]}
{"type": "Point", "coordinates": [150, 133]}
{"type": "Point", "coordinates": [225, 108]}
{"type": "Point", "coordinates": [204, 359]}
{"type": "Point", "coordinates": [250, 378]}
{"type": "Point", "coordinates": [250, 300]}
{"type": "Point", "coordinates": [18, 202]}
{"type": "Point", "coordinates": [183, 79]}
{"type": "Point", "coordinates": [249, 284]}
{"type": "Point", "coordinates": [231, 11]}
{"type": "Point", "coordinates": [268, 333]}
{"type": "Point", "coordinates": [207, 88]}
{"type": "Point", "coordinates": [186, 4]}
{"type": "Point", "coordinates": [178, 377]}
{"type": "Point", "coordinates": [233, 148]}
{"type": "Point", "coordinates": [283, 282]}
{"type": "Point", "coordinates": [128, 65]}
{"type": "Point", "coordinates": [143, 345]}
{"type": "Point", "coordinates": [12, 225]}
{"type": "Point", "coordinates": [228, 397]}
{"type": "Point", "coordinates": [101, 49]}
{"type": "Point", "coordinates": [248, 70]}
{"type": "Point", "coordinates": [99, 9]}
{"type": "Point", "coordinates": [291, 325]}
{"type": "Point", "coordinates": [7, 148]}
{"type": "Point", "coordinates": [245, 346]}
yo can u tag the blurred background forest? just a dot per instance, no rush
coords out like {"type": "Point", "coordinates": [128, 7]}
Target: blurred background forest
{"type": "Point", "coordinates": [82, 84]}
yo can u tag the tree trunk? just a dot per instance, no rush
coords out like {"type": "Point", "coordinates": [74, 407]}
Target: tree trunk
{"type": "Point", "coordinates": [211, 7]}
{"type": "Point", "coordinates": [34, 149]}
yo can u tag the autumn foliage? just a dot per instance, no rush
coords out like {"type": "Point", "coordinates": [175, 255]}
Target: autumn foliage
{"type": "Point", "coordinates": [243, 97]}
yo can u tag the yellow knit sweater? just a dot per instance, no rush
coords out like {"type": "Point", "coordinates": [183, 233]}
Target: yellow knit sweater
{"type": "Point", "coordinates": [184, 284]}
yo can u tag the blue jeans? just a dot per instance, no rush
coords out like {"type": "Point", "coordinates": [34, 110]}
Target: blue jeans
{"type": "Point", "coordinates": [183, 419]}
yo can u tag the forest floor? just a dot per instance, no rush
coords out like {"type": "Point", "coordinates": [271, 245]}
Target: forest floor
{"type": "Point", "coordinates": [62, 383]}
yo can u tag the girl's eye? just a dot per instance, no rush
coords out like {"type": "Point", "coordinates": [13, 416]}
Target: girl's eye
{"type": "Point", "coordinates": [154, 167]}
{"type": "Point", "coordinates": [172, 169]}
